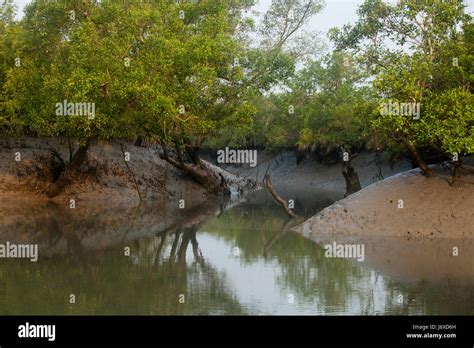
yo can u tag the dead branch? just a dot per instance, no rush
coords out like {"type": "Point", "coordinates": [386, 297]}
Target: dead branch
{"type": "Point", "coordinates": [268, 184]}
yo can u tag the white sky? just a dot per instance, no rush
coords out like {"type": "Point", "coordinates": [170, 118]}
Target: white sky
{"type": "Point", "coordinates": [335, 14]}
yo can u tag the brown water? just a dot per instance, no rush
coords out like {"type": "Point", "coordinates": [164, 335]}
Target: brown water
{"type": "Point", "coordinates": [224, 259]}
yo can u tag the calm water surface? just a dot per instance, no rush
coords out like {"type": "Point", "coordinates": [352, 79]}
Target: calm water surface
{"type": "Point", "coordinates": [224, 259]}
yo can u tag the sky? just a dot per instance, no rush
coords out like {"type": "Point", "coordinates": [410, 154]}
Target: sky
{"type": "Point", "coordinates": [335, 14]}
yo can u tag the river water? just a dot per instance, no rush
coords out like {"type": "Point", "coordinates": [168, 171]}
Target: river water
{"type": "Point", "coordinates": [218, 258]}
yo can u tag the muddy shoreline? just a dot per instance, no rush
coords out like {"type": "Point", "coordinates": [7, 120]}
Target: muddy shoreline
{"type": "Point", "coordinates": [406, 205]}
{"type": "Point", "coordinates": [431, 207]}
{"type": "Point", "coordinates": [27, 168]}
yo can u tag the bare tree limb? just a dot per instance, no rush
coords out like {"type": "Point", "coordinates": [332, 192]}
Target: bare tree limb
{"type": "Point", "coordinates": [268, 184]}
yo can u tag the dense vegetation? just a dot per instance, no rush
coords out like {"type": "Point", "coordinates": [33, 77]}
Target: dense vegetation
{"type": "Point", "coordinates": [192, 74]}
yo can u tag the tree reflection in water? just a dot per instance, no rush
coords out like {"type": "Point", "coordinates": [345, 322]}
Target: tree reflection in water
{"type": "Point", "coordinates": [189, 252]}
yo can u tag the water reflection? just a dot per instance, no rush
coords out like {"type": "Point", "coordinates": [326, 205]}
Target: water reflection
{"type": "Point", "coordinates": [191, 252]}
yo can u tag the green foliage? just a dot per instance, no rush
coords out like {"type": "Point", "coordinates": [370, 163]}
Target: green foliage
{"type": "Point", "coordinates": [267, 69]}
{"type": "Point", "coordinates": [149, 71]}
{"type": "Point", "coordinates": [193, 72]}
{"type": "Point", "coordinates": [181, 73]}
{"type": "Point", "coordinates": [419, 52]}
{"type": "Point", "coordinates": [327, 106]}
{"type": "Point", "coordinates": [338, 107]}
{"type": "Point", "coordinates": [448, 121]}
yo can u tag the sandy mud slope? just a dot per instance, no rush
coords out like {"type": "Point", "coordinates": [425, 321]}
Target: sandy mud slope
{"type": "Point", "coordinates": [404, 205]}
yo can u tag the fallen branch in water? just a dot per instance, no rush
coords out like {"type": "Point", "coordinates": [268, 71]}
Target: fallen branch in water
{"type": "Point", "coordinates": [268, 184]}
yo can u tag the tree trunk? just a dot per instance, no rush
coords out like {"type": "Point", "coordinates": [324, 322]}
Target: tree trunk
{"type": "Point", "coordinates": [350, 174]}
{"type": "Point", "coordinates": [202, 175]}
{"type": "Point", "coordinates": [70, 168]}
{"type": "Point", "coordinates": [139, 141]}
{"type": "Point", "coordinates": [352, 180]}
{"type": "Point", "coordinates": [193, 154]}
{"type": "Point", "coordinates": [415, 155]}
{"type": "Point", "coordinates": [455, 172]}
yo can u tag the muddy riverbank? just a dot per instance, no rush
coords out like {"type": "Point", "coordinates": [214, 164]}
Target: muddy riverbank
{"type": "Point", "coordinates": [405, 205]}
{"type": "Point", "coordinates": [28, 167]}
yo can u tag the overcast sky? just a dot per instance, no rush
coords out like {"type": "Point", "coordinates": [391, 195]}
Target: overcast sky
{"type": "Point", "coordinates": [335, 14]}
